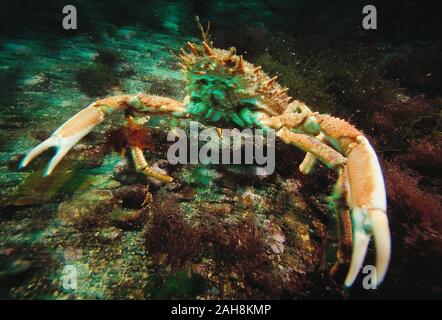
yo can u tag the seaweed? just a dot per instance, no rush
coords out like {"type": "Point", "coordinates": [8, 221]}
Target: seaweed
{"type": "Point", "coordinates": [168, 236]}
{"type": "Point", "coordinates": [416, 233]}
{"type": "Point", "coordinates": [415, 204]}
{"type": "Point", "coordinates": [240, 249]}
{"type": "Point", "coordinates": [238, 243]}
{"type": "Point", "coordinates": [329, 80]}
{"type": "Point", "coordinates": [237, 249]}
{"type": "Point", "coordinates": [201, 176]}
{"type": "Point", "coordinates": [132, 135]}
{"type": "Point", "coordinates": [36, 189]}
{"type": "Point", "coordinates": [301, 83]}
{"type": "Point", "coordinates": [134, 196]}
{"type": "Point", "coordinates": [425, 155]}
{"type": "Point", "coordinates": [402, 121]}
{"type": "Point", "coordinates": [417, 69]}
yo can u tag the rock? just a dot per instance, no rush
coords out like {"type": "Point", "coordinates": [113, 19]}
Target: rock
{"type": "Point", "coordinates": [154, 182]}
{"type": "Point", "coordinates": [134, 196]}
{"type": "Point", "coordinates": [173, 186]}
{"type": "Point", "coordinates": [37, 82]}
{"type": "Point", "coordinates": [90, 156]}
{"type": "Point", "coordinates": [221, 209]}
{"type": "Point", "coordinates": [275, 237]}
{"type": "Point", "coordinates": [110, 234]}
{"type": "Point", "coordinates": [125, 173]}
{"type": "Point", "coordinates": [186, 194]}
{"type": "Point", "coordinates": [250, 199]}
{"type": "Point", "coordinates": [128, 218]}
{"type": "Point", "coordinates": [162, 164]}
{"type": "Point", "coordinates": [87, 209]}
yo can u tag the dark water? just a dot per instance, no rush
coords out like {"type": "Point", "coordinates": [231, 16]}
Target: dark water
{"type": "Point", "coordinates": [387, 82]}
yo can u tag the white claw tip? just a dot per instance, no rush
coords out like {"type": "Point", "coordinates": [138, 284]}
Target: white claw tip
{"type": "Point", "coordinates": [22, 164]}
{"type": "Point", "coordinates": [381, 234]}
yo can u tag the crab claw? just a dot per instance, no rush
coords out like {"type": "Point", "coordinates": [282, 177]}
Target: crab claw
{"type": "Point", "coordinates": [65, 137]}
{"type": "Point", "coordinates": [367, 200]}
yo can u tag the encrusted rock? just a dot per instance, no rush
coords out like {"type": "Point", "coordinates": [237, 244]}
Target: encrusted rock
{"type": "Point", "coordinates": [133, 196]}
{"type": "Point", "coordinates": [87, 209]}
{"type": "Point", "coordinates": [128, 218]}
{"type": "Point", "coordinates": [125, 173]}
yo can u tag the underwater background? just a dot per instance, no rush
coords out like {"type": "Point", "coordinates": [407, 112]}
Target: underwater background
{"type": "Point", "coordinates": [216, 232]}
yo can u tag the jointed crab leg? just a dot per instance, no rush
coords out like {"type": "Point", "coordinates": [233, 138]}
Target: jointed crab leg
{"type": "Point", "coordinates": [312, 145]}
{"type": "Point", "coordinates": [65, 137]}
{"type": "Point", "coordinates": [340, 193]}
{"type": "Point", "coordinates": [368, 207]}
{"type": "Point", "coordinates": [142, 166]}
{"type": "Point", "coordinates": [353, 155]}
{"type": "Point", "coordinates": [367, 196]}
{"type": "Point", "coordinates": [309, 161]}
{"type": "Point", "coordinates": [140, 161]}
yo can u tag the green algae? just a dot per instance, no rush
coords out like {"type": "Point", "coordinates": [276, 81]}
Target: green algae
{"type": "Point", "coordinates": [36, 189]}
{"type": "Point", "coordinates": [201, 176]}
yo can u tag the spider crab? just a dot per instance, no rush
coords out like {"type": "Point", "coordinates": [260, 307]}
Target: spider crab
{"type": "Point", "coordinates": [225, 90]}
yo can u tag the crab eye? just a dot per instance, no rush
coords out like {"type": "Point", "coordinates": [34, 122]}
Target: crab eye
{"type": "Point", "coordinates": [230, 63]}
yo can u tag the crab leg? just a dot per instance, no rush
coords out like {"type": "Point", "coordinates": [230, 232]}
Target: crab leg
{"type": "Point", "coordinates": [365, 188]}
{"type": "Point", "coordinates": [340, 193]}
{"type": "Point", "coordinates": [332, 158]}
{"type": "Point", "coordinates": [328, 155]}
{"type": "Point", "coordinates": [368, 205]}
{"type": "Point", "coordinates": [309, 161]}
{"type": "Point", "coordinates": [140, 161]}
{"type": "Point", "coordinates": [65, 137]}
{"type": "Point", "coordinates": [142, 166]}
{"type": "Point", "coordinates": [366, 193]}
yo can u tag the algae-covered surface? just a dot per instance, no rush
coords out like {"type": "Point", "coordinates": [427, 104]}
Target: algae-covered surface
{"type": "Point", "coordinates": [216, 231]}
